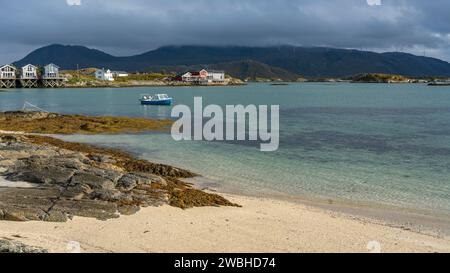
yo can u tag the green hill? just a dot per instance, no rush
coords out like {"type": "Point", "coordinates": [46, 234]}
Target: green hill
{"type": "Point", "coordinates": [285, 62]}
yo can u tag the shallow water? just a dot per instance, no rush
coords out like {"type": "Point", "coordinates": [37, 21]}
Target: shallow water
{"type": "Point", "coordinates": [387, 145]}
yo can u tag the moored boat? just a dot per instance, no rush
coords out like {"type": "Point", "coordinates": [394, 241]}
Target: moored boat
{"type": "Point", "coordinates": [441, 83]}
{"type": "Point", "coordinates": [158, 99]}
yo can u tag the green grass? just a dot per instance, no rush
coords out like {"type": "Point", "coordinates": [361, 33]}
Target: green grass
{"type": "Point", "coordinates": [80, 76]}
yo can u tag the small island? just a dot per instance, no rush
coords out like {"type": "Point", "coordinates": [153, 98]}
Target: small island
{"type": "Point", "coordinates": [379, 78]}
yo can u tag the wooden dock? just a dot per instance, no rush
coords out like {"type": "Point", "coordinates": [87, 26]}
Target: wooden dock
{"type": "Point", "coordinates": [29, 83]}
{"type": "Point", "coordinates": [8, 83]}
{"type": "Point", "coordinates": [32, 83]}
{"type": "Point", "coordinates": [53, 82]}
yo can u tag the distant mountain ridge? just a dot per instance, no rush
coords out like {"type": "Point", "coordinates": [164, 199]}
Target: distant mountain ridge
{"type": "Point", "coordinates": [284, 62]}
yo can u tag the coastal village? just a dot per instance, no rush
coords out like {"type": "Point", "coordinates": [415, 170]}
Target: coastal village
{"type": "Point", "coordinates": [30, 76]}
{"type": "Point", "coordinates": [51, 76]}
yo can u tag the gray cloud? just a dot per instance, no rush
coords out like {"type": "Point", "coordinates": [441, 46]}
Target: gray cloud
{"type": "Point", "coordinates": [134, 26]}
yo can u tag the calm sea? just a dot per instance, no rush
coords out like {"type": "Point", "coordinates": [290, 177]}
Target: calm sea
{"type": "Point", "coordinates": [384, 145]}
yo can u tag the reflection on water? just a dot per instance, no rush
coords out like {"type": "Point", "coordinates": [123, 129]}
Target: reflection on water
{"type": "Point", "coordinates": [160, 112]}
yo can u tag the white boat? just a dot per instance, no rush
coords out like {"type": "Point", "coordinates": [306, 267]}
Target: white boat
{"type": "Point", "coordinates": [158, 99]}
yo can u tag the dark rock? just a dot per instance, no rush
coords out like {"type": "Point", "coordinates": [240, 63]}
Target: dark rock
{"type": "Point", "coordinates": [101, 210]}
{"type": "Point", "coordinates": [112, 175]}
{"type": "Point", "coordinates": [93, 181]}
{"type": "Point", "coordinates": [55, 216]}
{"type": "Point", "coordinates": [130, 181]}
{"type": "Point", "coordinates": [129, 210]}
{"type": "Point", "coordinates": [43, 170]}
{"type": "Point", "coordinates": [101, 158]}
{"type": "Point", "coordinates": [127, 182]}
{"type": "Point", "coordinates": [106, 195]}
{"type": "Point", "coordinates": [75, 192]}
{"type": "Point", "coordinates": [48, 175]}
{"type": "Point", "coordinates": [8, 246]}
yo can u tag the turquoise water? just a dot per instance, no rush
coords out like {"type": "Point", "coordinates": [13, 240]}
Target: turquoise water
{"type": "Point", "coordinates": [365, 143]}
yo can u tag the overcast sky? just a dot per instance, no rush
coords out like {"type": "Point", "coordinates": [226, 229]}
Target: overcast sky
{"type": "Point", "coordinates": [129, 27]}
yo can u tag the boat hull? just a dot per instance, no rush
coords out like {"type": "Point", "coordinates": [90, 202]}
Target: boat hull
{"type": "Point", "coordinates": [159, 102]}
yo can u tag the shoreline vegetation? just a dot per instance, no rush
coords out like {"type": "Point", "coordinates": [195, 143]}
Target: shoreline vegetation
{"type": "Point", "coordinates": [84, 79]}
{"type": "Point", "coordinates": [62, 189]}
{"type": "Point", "coordinates": [53, 123]}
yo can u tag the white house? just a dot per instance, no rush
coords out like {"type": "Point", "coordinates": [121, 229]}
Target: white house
{"type": "Point", "coordinates": [29, 72]}
{"type": "Point", "coordinates": [216, 76]}
{"type": "Point", "coordinates": [190, 77]}
{"type": "Point", "coordinates": [51, 71]}
{"type": "Point", "coordinates": [204, 76]}
{"type": "Point", "coordinates": [186, 77]}
{"type": "Point", "coordinates": [104, 75]}
{"type": "Point", "coordinates": [8, 72]}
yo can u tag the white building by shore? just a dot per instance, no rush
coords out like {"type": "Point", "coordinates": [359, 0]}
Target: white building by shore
{"type": "Point", "coordinates": [216, 76]}
{"type": "Point", "coordinates": [8, 72]}
{"type": "Point", "coordinates": [29, 72]}
{"type": "Point", "coordinates": [204, 76]}
{"type": "Point", "coordinates": [51, 71]}
{"type": "Point", "coordinates": [120, 74]}
{"type": "Point", "coordinates": [104, 75]}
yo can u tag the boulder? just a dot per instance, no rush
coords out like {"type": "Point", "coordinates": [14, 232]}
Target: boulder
{"type": "Point", "coordinates": [92, 180]}
{"type": "Point", "coordinates": [9, 246]}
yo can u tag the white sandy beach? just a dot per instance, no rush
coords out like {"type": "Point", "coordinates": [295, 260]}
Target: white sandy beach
{"type": "Point", "coordinates": [262, 225]}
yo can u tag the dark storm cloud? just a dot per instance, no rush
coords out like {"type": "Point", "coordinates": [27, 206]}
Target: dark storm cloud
{"type": "Point", "coordinates": [133, 26]}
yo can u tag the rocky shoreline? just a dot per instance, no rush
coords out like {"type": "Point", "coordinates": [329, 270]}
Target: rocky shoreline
{"type": "Point", "coordinates": [47, 179]}
{"type": "Point", "coordinates": [13, 247]}
{"type": "Point", "coordinates": [131, 84]}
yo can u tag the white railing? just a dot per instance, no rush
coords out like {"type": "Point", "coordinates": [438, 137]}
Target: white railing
{"type": "Point", "coordinates": [27, 106]}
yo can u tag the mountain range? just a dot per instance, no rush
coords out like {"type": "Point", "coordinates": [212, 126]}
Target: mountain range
{"type": "Point", "coordinates": [283, 62]}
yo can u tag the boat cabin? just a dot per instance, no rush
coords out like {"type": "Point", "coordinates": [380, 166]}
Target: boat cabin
{"type": "Point", "coordinates": [156, 97]}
